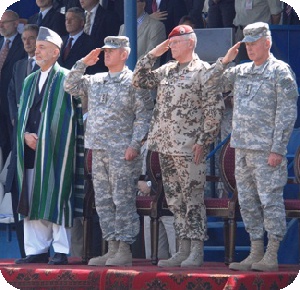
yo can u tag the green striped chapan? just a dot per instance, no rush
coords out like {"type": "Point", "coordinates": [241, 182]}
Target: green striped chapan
{"type": "Point", "coordinates": [59, 172]}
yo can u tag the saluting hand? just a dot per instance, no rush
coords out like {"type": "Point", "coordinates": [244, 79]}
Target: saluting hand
{"type": "Point", "coordinates": [160, 49]}
{"type": "Point", "coordinates": [231, 53]}
{"type": "Point", "coordinates": [92, 57]}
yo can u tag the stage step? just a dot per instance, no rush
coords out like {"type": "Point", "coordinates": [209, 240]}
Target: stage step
{"type": "Point", "coordinates": [214, 248]}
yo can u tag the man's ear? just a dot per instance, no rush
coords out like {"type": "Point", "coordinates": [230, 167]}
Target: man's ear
{"type": "Point", "coordinates": [56, 52]}
{"type": "Point", "coordinates": [124, 55]}
{"type": "Point", "coordinates": [268, 43]}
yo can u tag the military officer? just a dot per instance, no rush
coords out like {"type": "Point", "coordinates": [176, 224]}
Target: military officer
{"type": "Point", "coordinates": [119, 117]}
{"type": "Point", "coordinates": [185, 122]}
{"type": "Point", "coordinates": [265, 109]}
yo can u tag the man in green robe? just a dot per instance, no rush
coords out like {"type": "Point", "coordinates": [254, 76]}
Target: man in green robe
{"type": "Point", "coordinates": [50, 156]}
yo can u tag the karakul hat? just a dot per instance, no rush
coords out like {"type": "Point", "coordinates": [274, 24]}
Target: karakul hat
{"type": "Point", "coordinates": [46, 34]}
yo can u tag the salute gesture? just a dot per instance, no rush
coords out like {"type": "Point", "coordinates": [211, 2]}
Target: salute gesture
{"type": "Point", "coordinates": [231, 53]}
{"type": "Point", "coordinates": [92, 58]}
{"type": "Point", "coordinates": [160, 49]}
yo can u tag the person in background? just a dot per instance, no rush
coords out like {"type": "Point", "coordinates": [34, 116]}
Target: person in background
{"type": "Point", "coordinates": [289, 15]}
{"type": "Point", "coordinates": [220, 13]}
{"type": "Point", "coordinates": [21, 70]}
{"type": "Point", "coordinates": [169, 12]}
{"type": "Point", "coordinates": [187, 20]}
{"type": "Point", "coordinates": [25, 9]}
{"type": "Point", "coordinates": [116, 6]}
{"type": "Point", "coordinates": [64, 5]}
{"type": "Point", "coordinates": [11, 50]}
{"type": "Point", "coordinates": [77, 43]}
{"type": "Point", "coordinates": [182, 135]}
{"type": "Point", "coordinates": [264, 113]}
{"type": "Point", "coordinates": [99, 23]}
{"type": "Point", "coordinates": [150, 32]}
{"type": "Point", "coordinates": [49, 17]}
{"type": "Point", "coordinates": [49, 156]}
{"type": "Point", "coordinates": [250, 11]}
{"type": "Point", "coordinates": [118, 121]}
{"type": "Point", "coordinates": [194, 10]}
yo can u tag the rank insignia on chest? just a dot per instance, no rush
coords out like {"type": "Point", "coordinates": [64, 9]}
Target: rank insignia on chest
{"type": "Point", "coordinates": [103, 98]}
{"type": "Point", "coordinates": [248, 90]}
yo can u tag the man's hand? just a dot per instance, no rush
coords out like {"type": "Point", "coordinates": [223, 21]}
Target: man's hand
{"type": "Point", "coordinates": [231, 53]}
{"type": "Point", "coordinates": [144, 188]}
{"type": "Point", "coordinates": [275, 18]}
{"type": "Point", "coordinates": [30, 140]}
{"type": "Point", "coordinates": [198, 153]}
{"type": "Point", "coordinates": [161, 16]}
{"type": "Point", "coordinates": [92, 58]}
{"type": "Point", "coordinates": [130, 154]}
{"type": "Point", "coordinates": [160, 49]}
{"type": "Point", "coordinates": [274, 159]}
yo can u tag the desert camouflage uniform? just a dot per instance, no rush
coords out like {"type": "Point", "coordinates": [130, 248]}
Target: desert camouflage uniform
{"type": "Point", "coordinates": [188, 111]}
{"type": "Point", "coordinates": [119, 117]}
{"type": "Point", "coordinates": [265, 110]}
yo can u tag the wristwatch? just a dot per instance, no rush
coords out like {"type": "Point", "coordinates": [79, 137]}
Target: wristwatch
{"type": "Point", "coordinates": [149, 183]}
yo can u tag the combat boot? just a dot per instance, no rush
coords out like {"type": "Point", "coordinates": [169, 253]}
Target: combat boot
{"type": "Point", "coordinates": [195, 259]}
{"type": "Point", "coordinates": [256, 254]}
{"type": "Point", "coordinates": [179, 257]}
{"type": "Point", "coordinates": [113, 247]}
{"type": "Point", "coordinates": [122, 258]}
{"type": "Point", "coordinates": [269, 262]}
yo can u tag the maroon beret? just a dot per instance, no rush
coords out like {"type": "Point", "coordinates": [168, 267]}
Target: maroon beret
{"type": "Point", "coordinates": [181, 30]}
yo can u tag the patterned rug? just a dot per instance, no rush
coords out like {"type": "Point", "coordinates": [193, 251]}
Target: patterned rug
{"type": "Point", "coordinates": [143, 276]}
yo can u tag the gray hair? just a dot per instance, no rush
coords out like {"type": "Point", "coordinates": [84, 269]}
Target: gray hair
{"type": "Point", "coordinates": [78, 11]}
{"type": "Point", "coordinates": [127, 49]}
{"type": "Point", "coordinates": [269, 37]}
{"type": "Point", "coordinates": [12, 14]}
{"type": "Point", "coordinates": [31, 27]}
{"type": "Point", "coordinates": [193, 37]}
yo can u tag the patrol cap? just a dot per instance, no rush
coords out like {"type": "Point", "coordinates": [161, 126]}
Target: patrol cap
{"type": "Point", "coordinates": [116, 42]}
{"type": "Point", "coordinates": [46, 34]}
{"type": "Point", "coordinates": [255, 31]}
{"type": "Point", "coordinates": [181, 30]}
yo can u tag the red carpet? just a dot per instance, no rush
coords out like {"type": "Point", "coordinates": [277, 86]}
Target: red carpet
{"type": "Point", "coordinates": [143, 276]}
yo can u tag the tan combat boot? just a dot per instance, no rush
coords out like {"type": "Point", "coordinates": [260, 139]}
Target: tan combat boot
{"type": "Point", "coordinates": [122, 258]}
{"type": "Point", "coordinates": [269, 262]}
{"type": "Point", "coordinates": [195, 259]}
{"type": "Point", "coordinates": [113, 247]}
{"type": "Point", "coordinates": [256, 254]}
{"type": "Point", "coordinates": [179, 257]}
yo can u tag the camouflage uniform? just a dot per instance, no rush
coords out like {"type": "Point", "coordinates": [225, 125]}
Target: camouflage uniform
{"type": "Point", "coordinates": [188, 111]}
{"type": "Point", "coordinates": [119, 117]}
{"type": "Point", "coordinates": [265, 110]}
